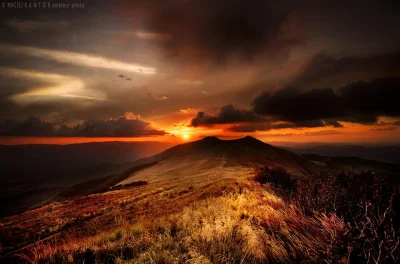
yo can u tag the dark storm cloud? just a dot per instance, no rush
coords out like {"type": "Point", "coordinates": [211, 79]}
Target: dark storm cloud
{"type": "Point", "coordinates": [377, 97]}
{"type": "Point", "coordinates": [292, 105]}
{"type": "Point", "coordinates": [217, 29]}
{"type": "Point", "coordinates": [30, 127]}
{"type": "Point", "coordinates": [247, 128]}
{"type": "Point", "coordinates": [55, 27]}
{"type": "Point", "coordinates": [324, 70]}
{"type": "Point", "coordinates": [333, 123]}
{"type": "Point", "coordinates": [365, 27]}
{"type": "Point", "coordinates": [358, 102]}
{"type": "Point", "coordinates": [323, 67]}
{"type": "Point", "coordinates": [226, 115]}
{"type": "Point", "coordinates": [119, 127]}
{"type": "Point", "coordinates": [264, 126]}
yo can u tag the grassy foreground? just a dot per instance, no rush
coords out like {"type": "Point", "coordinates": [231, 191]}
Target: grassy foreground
{"type": "Point", "coordinates": [269, 218]}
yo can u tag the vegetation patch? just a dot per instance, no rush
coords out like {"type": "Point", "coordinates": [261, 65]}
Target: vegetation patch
{"type": "Point", "coordinates": [277, 176]}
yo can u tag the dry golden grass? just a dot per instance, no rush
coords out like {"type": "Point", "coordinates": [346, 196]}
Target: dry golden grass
{"type": "Point", "coordinates": [237, 222]}
{"type": "Point", "coordinates": [191, 211]}
{"type": "Point", "coordinates": [189, 170]}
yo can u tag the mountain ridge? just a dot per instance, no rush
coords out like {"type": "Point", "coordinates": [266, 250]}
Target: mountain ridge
{"type": "Point", "coordinates": [212, 155]}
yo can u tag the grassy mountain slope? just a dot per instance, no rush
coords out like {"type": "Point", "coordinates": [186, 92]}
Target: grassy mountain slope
{"type": "Point", "coordinates": [193, 203]}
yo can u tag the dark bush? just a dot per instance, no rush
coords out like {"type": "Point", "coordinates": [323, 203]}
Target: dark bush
{"type": "Point", "coordinates": [277, 176]}
{"type": "Point", "coordinates": [369, 205]}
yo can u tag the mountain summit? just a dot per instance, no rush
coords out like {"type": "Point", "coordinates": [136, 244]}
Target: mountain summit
{"type": "Point", "coordinates": [211, 157]}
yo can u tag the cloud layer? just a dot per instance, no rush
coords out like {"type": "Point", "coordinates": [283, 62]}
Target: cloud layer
{"type": "Point", "coordinates": [226, 115]}
{"type": "Point", "coordinates": [270, 64]}
{"type": "Point", "coordinates": [216, 29]}
{"type": "Point", "coordinates": [128, 125]}
{"type": "Point", "coordinates": [80, 59]}
{"type": "Point", "coordinates": [358, 102]}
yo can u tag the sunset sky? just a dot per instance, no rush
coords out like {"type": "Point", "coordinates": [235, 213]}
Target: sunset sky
{"type": "Point", "coordinates": [179, 70]}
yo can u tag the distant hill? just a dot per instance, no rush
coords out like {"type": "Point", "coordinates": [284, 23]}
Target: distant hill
{"type": "Point", "coordinates": [78, 155]}
{"type": "Point", "coordinates": [353, 163]}
{"type": "Point", "coordinates": [390, 154]}
{"type": "Point", "coordinates": [60, 165]}
{"type": "Point", "coordinates": [31, 175]}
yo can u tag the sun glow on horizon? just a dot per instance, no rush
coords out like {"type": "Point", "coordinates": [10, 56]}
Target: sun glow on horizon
{"type": "Point", "coordinates": [185, 136]}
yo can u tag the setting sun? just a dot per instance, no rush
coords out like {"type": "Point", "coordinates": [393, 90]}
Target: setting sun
{"type": "Point", "coordinates": [185, 136]}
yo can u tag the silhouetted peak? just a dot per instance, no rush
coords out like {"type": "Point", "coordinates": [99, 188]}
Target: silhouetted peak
{"type": "Point", "coordinates": [250, 139]}
{"type": "Point", "coordinates": [206, 142]}
{"type": "Point", "coordinates": [210, 138]}
{"type": "Point", "coordinates": [245, 140]}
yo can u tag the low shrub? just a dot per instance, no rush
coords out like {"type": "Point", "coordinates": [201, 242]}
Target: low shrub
{"type": "Point", "coordinates": [277, 176]}
{"type": "Point", "coordinates": [368, 203]}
